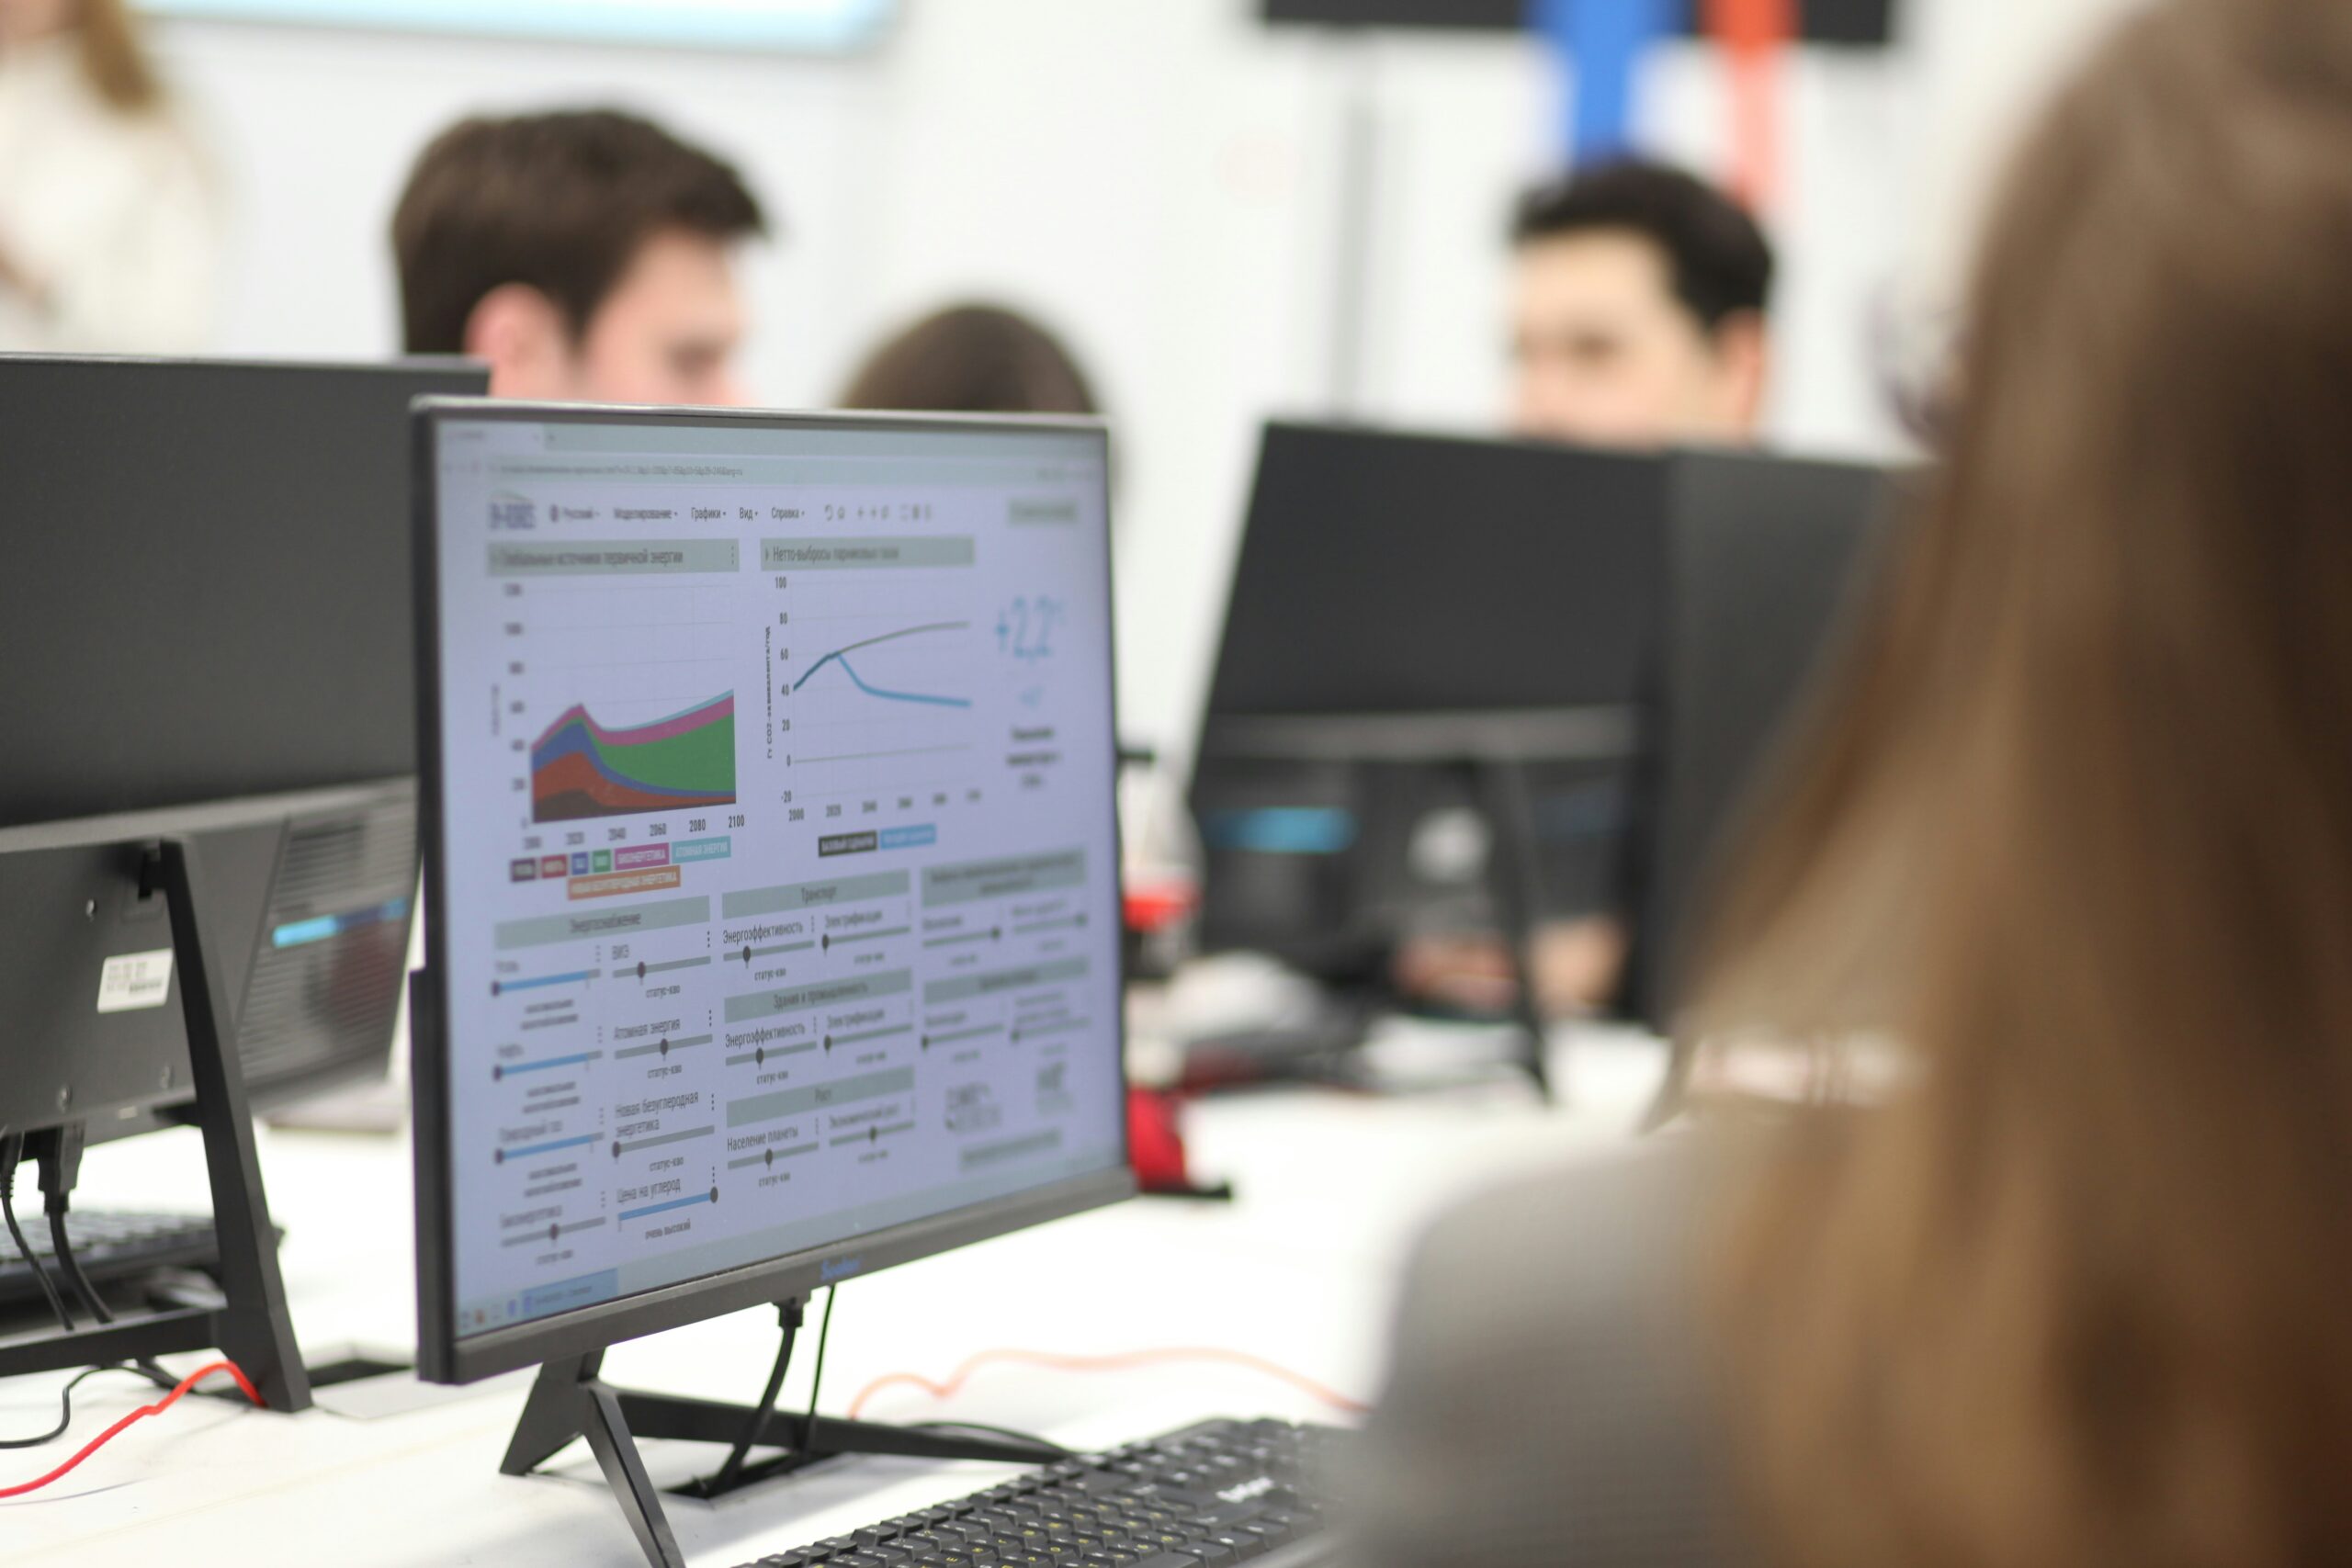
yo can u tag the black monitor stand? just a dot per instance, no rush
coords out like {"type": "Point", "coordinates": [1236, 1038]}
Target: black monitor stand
{"type": "Point", "coordinates": [251, 1328]}
{"type": "Point", "coordinates": [572, 1399]}
{"type": "Point", "coordinates": [1500, 789]}
{"type": "Point", "coordinates": [1488, 754]}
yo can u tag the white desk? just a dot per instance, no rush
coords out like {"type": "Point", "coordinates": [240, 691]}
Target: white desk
{"type": "Point", "coordinates": [1299, 1271]}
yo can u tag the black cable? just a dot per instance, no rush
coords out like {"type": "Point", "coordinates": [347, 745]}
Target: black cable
{"type": "Point", "coordinates": [11, 1154]}
{"type": "Point", "coordinates": [787, 1319]}
{"type": "Point", "coordinates": [70, 1266]}
{"type": "Point", "coordinates": [817, 1380]}
{"type": "Point", "coordinates": [65, 1411]}
{"type": "Point", "coordinates": [991, 1432]}
{"type": "Point", "coordinates": [87, 1293]}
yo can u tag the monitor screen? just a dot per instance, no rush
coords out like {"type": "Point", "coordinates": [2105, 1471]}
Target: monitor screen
{"type": "Point", "coordinates": [771, 863]}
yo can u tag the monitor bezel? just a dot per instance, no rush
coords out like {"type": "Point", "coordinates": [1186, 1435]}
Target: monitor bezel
{"type": "Point", "coordinates": [443, 1355]}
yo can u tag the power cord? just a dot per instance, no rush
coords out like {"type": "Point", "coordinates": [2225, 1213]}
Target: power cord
{"type": "Point", "coordinates": [985, 1429]}
{"type": "Point", "coordinates": [245, 1385]}
{"type": "Point", "coordinates": [61, 1158]}
{"type": "Point", "coordinates": [60, 1171]}
{"type": "Point", "coordinates": [816, 1378]}
{"type": "Point", "coordinates": [65, 1407]}
{"type": "Point", "coordinates": [788, 1320]}
{"type": "Point", "coordinates": [12, 1154]}
{"type": "Point", "coordinates": [62, 1245]}
{"type": "Point", "coordinates": [59, 1155]}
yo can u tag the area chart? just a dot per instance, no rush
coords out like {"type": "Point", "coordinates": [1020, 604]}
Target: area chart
{"type": "Point", "coordinates": [580, 769]}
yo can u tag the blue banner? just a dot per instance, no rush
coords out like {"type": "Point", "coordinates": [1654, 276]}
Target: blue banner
{"type": "Point", "coordinates": [1600, 43]}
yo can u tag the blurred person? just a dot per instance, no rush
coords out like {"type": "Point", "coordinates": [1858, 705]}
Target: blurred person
{"type": "Point", "coordinates": [1638, 302]}
{"type": "Point", "coordinates": [972, 358]}
{"type": "Point", "coordinates": [110, 230]}
{"type": "Point", "coordinates": [585, 255]}
{"type": "Point", "coordinates": [2074, 834]}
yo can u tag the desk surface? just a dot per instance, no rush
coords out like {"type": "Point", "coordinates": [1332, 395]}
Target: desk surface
{"type": "Point", "coordinates": [1299, 1270]}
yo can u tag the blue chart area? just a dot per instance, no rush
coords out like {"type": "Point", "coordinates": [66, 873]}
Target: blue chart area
{"type": "Point", "coordinates": [839, 660]}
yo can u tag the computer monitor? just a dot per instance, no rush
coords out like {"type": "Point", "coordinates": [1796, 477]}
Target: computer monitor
{"type": "Point", "coordinates": [1405, 611]}
{"type": "Point", "coordinates": [206, 619]}
{"type": "Point", "coordinates": [1767, 555]}
{"type": "Point", "coordinates": [773, 917]}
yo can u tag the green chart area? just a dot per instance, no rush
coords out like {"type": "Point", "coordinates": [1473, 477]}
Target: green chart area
{"type": "Point", "coordinates": [580, 768]}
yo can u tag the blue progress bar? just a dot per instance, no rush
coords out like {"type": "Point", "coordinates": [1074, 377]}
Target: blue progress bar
{"type": "Point", "coordinates": [665, 1208]}
{"type": "Point", "coordinates": [529, 1149]}
{"type": "Point", "coordinates": [546, 980]}
{"type": "Point", "coordinates": [295, 933]}
{"type": "Point", "coordinates": [571, 1061]}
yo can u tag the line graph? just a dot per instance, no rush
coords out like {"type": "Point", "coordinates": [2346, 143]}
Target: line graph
{"type": "Point", "coordinates": [879, 671]}
{"type": "Point", "coordinates": [840, 656]}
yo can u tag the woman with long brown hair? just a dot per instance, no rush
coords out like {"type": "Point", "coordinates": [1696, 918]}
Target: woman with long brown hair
{"type": "Point", "coordinates": [2073, 838]}
{"type": "Point", "coordinates": [107, 223]}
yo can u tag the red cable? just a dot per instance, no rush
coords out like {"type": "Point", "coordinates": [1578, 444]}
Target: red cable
{"type": "Point", "coordinates": [1106, 1363]}
{"type": "Point", "coordinates": [94, 1444]}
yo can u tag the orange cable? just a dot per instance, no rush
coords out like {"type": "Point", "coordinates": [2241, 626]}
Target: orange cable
{"type": "Point", "coordinates": [962, 1374]}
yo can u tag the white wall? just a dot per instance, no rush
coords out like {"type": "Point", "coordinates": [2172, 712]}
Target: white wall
{"type": "Point", "coordinates": [315, 130]}
{"type": "Point", "coordinates": [1144, 176]}
{"type": "Point", "coordinates": [1159, 179]}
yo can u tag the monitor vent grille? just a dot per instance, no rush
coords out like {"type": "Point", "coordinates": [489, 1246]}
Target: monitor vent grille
{"type": "Point", "coordinates": [325, 1001]}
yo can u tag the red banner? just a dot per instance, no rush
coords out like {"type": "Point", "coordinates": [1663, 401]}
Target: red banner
{"type": "Point", "coordinates": [1752, 35]}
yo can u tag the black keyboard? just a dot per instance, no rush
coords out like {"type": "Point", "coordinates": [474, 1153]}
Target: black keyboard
{"type": "Point", "coordinates": [110, 1244]}
{"type": "Point", "coordinates": [1217, 1493]}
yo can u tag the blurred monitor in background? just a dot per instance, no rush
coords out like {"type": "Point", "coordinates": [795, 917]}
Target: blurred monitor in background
{"type": "Point", "coordinates": [1638, 319]}
{"type": "Point", "coordinates": [110, 230]}
{"type": "Point", "coordinates": [972, 359]}
{"type": "Point", "coordinates": [1638, 311]}
{"type": "Point", "coordinates": [585, 255]}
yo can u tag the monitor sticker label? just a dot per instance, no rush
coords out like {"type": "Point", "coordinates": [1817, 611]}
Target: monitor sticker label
{"type": "Point", "coordinates": [134, 980]}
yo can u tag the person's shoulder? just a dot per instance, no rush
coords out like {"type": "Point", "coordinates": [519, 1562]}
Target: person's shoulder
{"type": "Point", "coordinates": [1548, 1398]}
{"type": "Point", "coordinates": [1604, 1225]}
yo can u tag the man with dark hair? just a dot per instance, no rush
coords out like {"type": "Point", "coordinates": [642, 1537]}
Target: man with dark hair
{"type": "Point", "coordinates": [1638, 306]}
{"type": "Point", "coordinates": [1638, 301]}
{"type": "Point", "coordinates": [585, 255]}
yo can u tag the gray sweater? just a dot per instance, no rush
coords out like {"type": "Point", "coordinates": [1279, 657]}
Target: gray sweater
{"type": "Point", "coordinates": [1547, 1403]}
